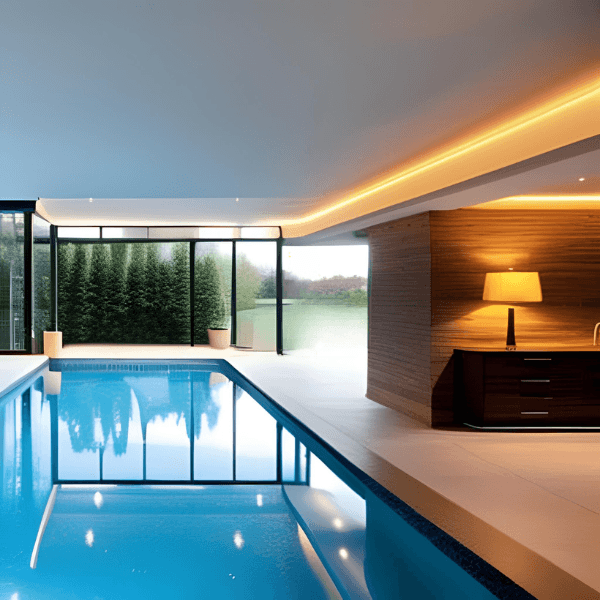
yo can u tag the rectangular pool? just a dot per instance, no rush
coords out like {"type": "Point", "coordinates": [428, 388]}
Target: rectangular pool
{"type": "Point", "coordinates": [180, 479]}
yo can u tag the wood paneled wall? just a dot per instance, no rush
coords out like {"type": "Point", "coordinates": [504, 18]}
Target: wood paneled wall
{"type": "Point", "coordinates": [400, 316]}
{"type": "Point", "coordinates": [563, 246]}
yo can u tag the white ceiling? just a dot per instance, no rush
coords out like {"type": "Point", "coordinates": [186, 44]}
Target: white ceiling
{"type": "Point", "coordinates": [185, 106]}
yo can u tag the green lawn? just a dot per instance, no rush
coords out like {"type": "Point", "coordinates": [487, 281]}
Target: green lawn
{"type": "Point", "coordinates": [308, 326]}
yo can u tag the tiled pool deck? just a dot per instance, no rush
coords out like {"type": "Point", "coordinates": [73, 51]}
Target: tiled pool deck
{"type": "Point", "coordinates": [527, 503]}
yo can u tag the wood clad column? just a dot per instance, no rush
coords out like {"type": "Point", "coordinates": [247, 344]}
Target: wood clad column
{"type": "Point", "coordinates": [563, 246]}
{"type": "Point", "coordinates": [400, 316]}
{"type": "Point", "coordinates": [428, 273]}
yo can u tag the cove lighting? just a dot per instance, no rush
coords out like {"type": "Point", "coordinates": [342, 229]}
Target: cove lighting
{"type": "Point", "coordinates": [554, 112]}
{"type": "Point", "coordinates": [590, 201]}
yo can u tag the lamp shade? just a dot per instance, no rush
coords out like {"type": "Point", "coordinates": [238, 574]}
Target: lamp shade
{"type": "Point", "coordinates": [512, 286]}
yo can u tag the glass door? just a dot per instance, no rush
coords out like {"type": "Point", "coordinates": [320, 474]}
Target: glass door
{"type": "Point", "coordinates": [12, 277]}
{"type": "Point", "coordinates": [256, 293]}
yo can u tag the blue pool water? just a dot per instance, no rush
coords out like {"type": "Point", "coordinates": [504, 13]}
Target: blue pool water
{"type": "Point", "coordinates": [180, 480]}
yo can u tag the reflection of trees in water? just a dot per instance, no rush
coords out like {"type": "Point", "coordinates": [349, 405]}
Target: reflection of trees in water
{"type": "Point", "coordinates": [205, 401]}
{"type": "Point", "coordinates": [85, 399]}
{"type": "Point", "coordinates": [108, 397]}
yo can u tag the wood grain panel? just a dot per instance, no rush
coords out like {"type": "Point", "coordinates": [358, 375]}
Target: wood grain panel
{"type": "Point", "coordinates": [427, 275]}
{"type": "Point", "coordinates": [400, 316]}
{"type": "Point", "coordinates": [562, 246]}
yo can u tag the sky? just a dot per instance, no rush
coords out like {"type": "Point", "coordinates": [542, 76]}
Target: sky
{"type": "Point", "coordinates": [317, 262]}
{"type": "Point", "coordinates": [308, 262]}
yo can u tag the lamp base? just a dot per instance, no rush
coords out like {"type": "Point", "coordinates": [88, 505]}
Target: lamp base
{"type": "Point", "coordinates": [511, 343]}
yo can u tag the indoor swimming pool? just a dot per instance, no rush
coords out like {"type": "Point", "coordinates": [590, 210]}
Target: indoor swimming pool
{"type": "Point", "coordinates": [179, 479]}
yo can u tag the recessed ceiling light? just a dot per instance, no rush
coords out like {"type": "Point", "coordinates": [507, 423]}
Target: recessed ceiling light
{"type": "Point", "coordinates": [582, 179]}
{"type": "Point", "coordinates": [237, 199]}
{"type": "Point", "coordinates": [91, 199]}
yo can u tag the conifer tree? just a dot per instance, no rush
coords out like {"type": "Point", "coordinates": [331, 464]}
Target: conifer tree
{"type": "Point", "coordinates": [77, 295]}
{"type": "Point", "coordinates": [154, 296]}
{"type": "Point", "coordinates": [97, 295]}
{"type": "Point", "coordinates": [180, 298]}
{"type": "Point", "coordinates": [164, 311]}
{"type": "Point", "coordinates": [135, 290]}
{"type": "Point", "coordinates": [65, 259]}
{"type": "Point", "coordinates": [223, 263]}
{"type": "Point", "coordinates": [116, 300]}
{"type": "Point", "coordinates": [208, 299]}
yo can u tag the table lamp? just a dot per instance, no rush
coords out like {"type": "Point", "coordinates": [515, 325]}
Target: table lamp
{"type": "Point", "coordinates": [512, 286]}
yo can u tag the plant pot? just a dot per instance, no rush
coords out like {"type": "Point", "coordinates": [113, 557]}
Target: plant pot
{"type": "Point", "coordinates": [52, 343]}
{"type": "Point", "coordinates": [219, 338]}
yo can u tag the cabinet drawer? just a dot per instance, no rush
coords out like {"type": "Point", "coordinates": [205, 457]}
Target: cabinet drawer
{"type": "Point", "coordinates": [530, 388]}
{"type": "Point", "coordinates": [518, 366]}
{"type": "Point", "coordinates": [535, 407]}
{"type": "Point", "coordinates": [535, 387]}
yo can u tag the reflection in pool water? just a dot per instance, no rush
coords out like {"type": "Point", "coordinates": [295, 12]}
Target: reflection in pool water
{"type": "Point", "coordinates": [134, 459]}
{"type": "Point", "coordinates": [139, 427]}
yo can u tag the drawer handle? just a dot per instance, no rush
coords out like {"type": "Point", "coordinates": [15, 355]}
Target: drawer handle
{"type": "Point", "coordinates": [535, 381]}
{"type": "Point", "coordinates": [534, 412]}
{"type": "Point", "coordinates": [537, 359]}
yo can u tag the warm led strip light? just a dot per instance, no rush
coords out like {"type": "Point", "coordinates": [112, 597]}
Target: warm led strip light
{"type": "Point", "coordinates": [527, 201]}
{"type": "Point", "coordinates": [548, 110]}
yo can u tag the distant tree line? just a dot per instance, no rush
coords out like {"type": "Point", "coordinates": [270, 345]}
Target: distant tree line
{"type": "Point", "coordinates": [337, 290]}
{"type": "Point", "coordinates": [130, 293]}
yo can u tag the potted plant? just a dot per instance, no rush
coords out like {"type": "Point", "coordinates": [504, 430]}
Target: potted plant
{"type": "Point", "coordinates": [210, 305]}
{"type": "Point", "coordinates": [219, 334]}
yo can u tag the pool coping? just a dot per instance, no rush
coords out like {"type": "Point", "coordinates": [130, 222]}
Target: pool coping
{"type": "Point", "coordinates": [29, 366]}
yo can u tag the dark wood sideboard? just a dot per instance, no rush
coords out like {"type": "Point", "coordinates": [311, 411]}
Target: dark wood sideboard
{"type": "Point", "coordinates": [527, 388]}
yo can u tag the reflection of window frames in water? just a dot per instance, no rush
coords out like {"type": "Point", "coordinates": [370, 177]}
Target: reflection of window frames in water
{"type": "Point", "coordinates": [93, 415]}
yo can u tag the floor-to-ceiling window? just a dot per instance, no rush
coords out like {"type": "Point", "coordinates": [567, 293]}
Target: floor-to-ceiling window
{"type": "Point", "coordinates": [325, 298]}
{"type": "Point", "coordinates": [139, 285]}
{"type": "Point", "coordinates": [12, 281]}
{"type": "Point", "coordinates": [124, 293]}
{"type": "Point", "coordinates": [256, 294]}
{"type": "Point", "coordinates": [42, 288]}
{"type": "Point", "coordinates": [212, 288]}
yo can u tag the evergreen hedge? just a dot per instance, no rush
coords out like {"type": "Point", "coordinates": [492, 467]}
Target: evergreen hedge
{"type": "Point", "coordinates": [133, 293]}
{"type": "Point", "coordinates": [209, 299]}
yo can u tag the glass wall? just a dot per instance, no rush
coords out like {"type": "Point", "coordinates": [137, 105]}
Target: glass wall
{"type": "Point", "coordinates": [124, 293]}
{"type": "Point", "coordinates": [139, 292]}
{"type": "Point", "coordinates": [325, 298]}
{"type": "Point", "coordinates": [41, 282]}
{"type": "Point", "coordinates": [12, 271]}
{"type": "Point", "coordinates": [212, 290]}
{"type": "Point", "coordinates": [256, 309]}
